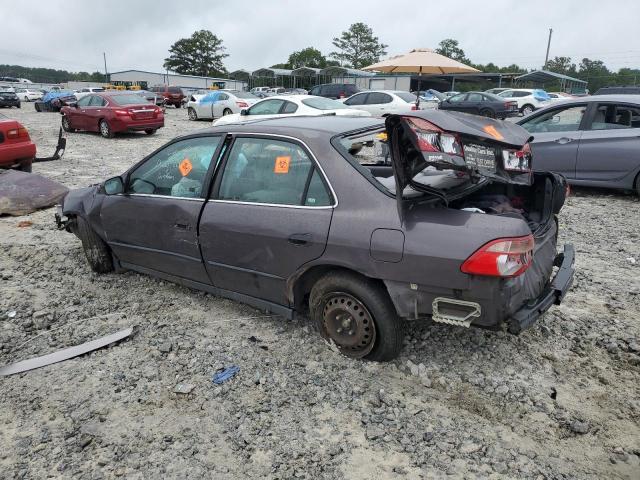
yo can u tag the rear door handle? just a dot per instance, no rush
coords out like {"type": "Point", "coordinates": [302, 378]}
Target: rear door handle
{"type": "Point", "coordinates": [564, 140]}
{"type": "Point", "coordinates": [300, 239]}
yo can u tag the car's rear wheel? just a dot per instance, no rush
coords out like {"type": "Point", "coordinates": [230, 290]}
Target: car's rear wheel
{"type": "Point", "coordinates": [527, 109]}
{"type": "Point", "coordinates": [66, 126]}
{"type": "Point", "coordinates": [191, 112]}
{"type": "Point", "coordinates": [95, 249]}
{"type": "Point", "coordinates": [28, 168]}
{"type": "Point", "coordinates": [357, 315]}
{"type": "Point", "coordinates": [487, 113]}
{"type": "Point", "coordinates": [37, 106]}
{"type": "Point", "coordinates": [226, 112]}
{"type": "Point", "coordinates": [105, 129]}
{"type": "Point", "coordinates": [150, 131]}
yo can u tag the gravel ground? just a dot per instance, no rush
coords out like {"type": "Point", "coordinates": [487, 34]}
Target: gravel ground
{"type": "Point", "coordinates": [560, 401]}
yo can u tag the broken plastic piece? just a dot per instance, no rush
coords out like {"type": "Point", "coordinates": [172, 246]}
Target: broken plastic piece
{"type": "Point", "coordinates": [225, 374]}
{"type": "Point", "coordinates": [66, 354]}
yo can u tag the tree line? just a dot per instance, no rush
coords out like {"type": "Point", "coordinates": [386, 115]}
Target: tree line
{"type": "Point", "coordinates": [203, 54]}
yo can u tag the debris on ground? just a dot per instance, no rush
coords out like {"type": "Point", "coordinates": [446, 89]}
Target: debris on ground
{"type": "Point", "coordinates": [22, 193]}
{"type": "Point", "coordinates": [225, 374]}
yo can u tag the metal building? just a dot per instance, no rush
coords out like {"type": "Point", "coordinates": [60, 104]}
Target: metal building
{"type": "Point", "coordinates": [184, 81]}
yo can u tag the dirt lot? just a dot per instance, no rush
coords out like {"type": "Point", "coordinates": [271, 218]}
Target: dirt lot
{"type": "Point", "coordinates": [561, 401]}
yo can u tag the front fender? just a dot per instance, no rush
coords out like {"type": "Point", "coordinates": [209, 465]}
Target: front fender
{"type": "Point", "coordinates": [79, 201]}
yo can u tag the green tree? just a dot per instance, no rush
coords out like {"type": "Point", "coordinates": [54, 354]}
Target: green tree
{"type": "Point", "coordinates": [561, 65]}
{"type": "Point", "coordinates": [307, 57]}
{"type": "Point", "coordinates": [358, 47]}
{"type": "Point", "coordinates": [201, 54]}
{"type": "Point", "coordinates": [451, 48]}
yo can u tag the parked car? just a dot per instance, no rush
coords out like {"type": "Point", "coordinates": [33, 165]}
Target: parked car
{"type": "Point", "coordinates": [255, 90]}
{"type": "Point", "coordinates": [559, 95]}
{"type": "Point", "coordinates": [295, 91]}
{"type": "Point", "coordinates": [219, 103]}
{"type": "Point", "coordinates": [528, 99]}
{"type": "Point", "coordinates": [291, 105]}
{"type": "Point", "coordinates": [16, 148]}
{"type": "Point", "coordinates": [496, 91]}
{"type": "Point", "coordinates": [83, 92]}
{"type": "Point", "coordinates": [7, 88]}
{"type": "Point", "coordinates": [592, 141]}
{"type": "Point", "coordinates": [112, 112]}
{"type": "Point", "coordinates": [279, 215]}
{"type": "Point", "coordinates": [451, 93]}
{"type": "Point", "coordinates": [277, 90]}
{"type": "Point", "coordinates": [630, 90]}
{"type": "Point", "coordinates": [9, 99]}
{"type": "Point", "coordinates": [334, 90]}
{"type": "Point", "coordinates": [28, 94]}
{"type": "Point", "coordinates": [429, 98]}
{"type": "Point", "coordinates": [151, 97]}
{"type": "Point", "coordinates": [54, 100]}
{"type": "Point", "coordinates": [383, 102]}
{"type": "Point", "coordinates": [172, 95]}
{"type": "Point", "coordinates": [481, 103]}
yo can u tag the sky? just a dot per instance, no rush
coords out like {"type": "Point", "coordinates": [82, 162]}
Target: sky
{"type": "Point", "coordinates": [73, 34]}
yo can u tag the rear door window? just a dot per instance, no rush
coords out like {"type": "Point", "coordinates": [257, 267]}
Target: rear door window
{"type": "Point", "coordinates": [614, 117]}
{"type": "Point", "coordinates": [96, 101]}
{"type": "Point", "coordinates": [269, 171]}
{"type": "Point", "coordinates": [376, 98]}
{"type": "Point", "coordinates": [475, 97]}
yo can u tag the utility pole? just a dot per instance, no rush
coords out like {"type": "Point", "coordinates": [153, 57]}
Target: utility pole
{"type": "Point", "coordinates": [546, 58]}
{"type": "Point", "coordinates": [106, 75]}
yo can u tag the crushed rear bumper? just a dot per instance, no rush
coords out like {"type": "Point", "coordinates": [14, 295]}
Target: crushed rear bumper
{"type": "Point", "coordinates": [553, 294]}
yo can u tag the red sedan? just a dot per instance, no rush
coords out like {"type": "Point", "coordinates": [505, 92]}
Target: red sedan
{"type": "Point", "coordinates": [112, 112]}
{"type": "Point", "coordinates": [16, 148]}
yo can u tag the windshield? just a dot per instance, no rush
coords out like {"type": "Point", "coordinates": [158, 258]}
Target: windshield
{"type": "Point", "coordinates": [321, 103]}
{"type": "Point", "coordinates": [128, 99]}
{"type": "Point", "coordinates": [406, 96]}
{"type": "Point", "coordinates": [245, 95]}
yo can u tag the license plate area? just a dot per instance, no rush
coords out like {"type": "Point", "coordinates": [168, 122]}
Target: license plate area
{"type": "Point", "coordinates": [480, 157]}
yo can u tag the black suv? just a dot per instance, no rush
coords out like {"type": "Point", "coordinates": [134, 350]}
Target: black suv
{"type": "Point", "coordinates": [9, 99]}
{"type": "Point", "coordinates": [334, 90]}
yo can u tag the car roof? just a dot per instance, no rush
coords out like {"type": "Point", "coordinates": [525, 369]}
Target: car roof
{"type": "Point", "coordinates": [622, 98]}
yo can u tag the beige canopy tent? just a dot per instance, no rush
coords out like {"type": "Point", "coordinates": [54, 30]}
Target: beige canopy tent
{"type": "Point", "coordinates": [421, 60]}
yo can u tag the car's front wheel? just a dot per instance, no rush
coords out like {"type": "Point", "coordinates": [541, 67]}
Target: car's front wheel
{"type": "Point", "coordinates": [66, 126]}
{"type": "Point", "coordinates": [357, 315]}
{"type": "Point", "coordinates": [191, 112]}
{"type": "Point", "coordinates": [105, 129]}
{"type": "Point", "coordinates": [95, 249]}
{"type": "Point", "coordinates": [527, 109]}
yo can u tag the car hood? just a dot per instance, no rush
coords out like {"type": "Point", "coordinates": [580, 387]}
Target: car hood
{"type": "Point", "coordinates": [482, 139]}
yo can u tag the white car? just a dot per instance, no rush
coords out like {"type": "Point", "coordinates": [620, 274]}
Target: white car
{"type": "Point", "coordinates": [259, 90]}
{"type": "Point", "coordinates": [219, 103]}
{"type": "Point", "coordinates": [83, 92]}
{"type": "Point", "coordinates": [28, 94]}
{"type": "Point", "coordinates": [383, 102]}
{"type": "Point", "coordinates": [528, 99]}
{"type": "Point", "coordinates": [291, 105]}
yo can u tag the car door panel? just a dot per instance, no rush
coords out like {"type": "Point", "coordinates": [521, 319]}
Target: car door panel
{"type": "Point", "coordinates": [253, 249]}
{"type": "Point", "coordinates": [606, 155]}
{"type": "Point", "coordinates": [155, 232]}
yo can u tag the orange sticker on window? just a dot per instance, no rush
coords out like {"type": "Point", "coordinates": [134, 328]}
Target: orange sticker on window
{"type": "Point", "coordinates": [185, 167]}
{"type": "Point", "coordinates": [491, 130]}
{"type": "Point", "coordinates": [282, 165]}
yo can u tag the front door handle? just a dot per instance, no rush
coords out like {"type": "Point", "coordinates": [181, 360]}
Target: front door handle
{"type": "Point", "coordinates": [300, 239]}
{"type": "Point", "coordinates": [564, 140]}
{"type": "Point", "coordinates": [182, 226]}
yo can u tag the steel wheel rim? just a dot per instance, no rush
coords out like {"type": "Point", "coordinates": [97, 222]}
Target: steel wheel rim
{"type": "Point", "coordinates": [527, 111]}
{"type": "Point", "coordinates": [104, 128]}
{"type": "Point", "coordinates": [226, 112]}
{"type": "Point", "coordinates": [348, 323]}
{"type": "Point", "coordinates": [192, 114]}
{"type": "Point", "coordinates": [65, 123]}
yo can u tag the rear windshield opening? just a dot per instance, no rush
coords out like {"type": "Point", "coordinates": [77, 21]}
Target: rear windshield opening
{"type": "Point", "coordinates": [370, 153]}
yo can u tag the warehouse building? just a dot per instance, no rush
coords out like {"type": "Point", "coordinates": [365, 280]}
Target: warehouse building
{"type": "Point", "coordinates": [188, 82]}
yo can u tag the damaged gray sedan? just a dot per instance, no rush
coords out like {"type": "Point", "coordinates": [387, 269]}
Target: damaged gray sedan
{"type": "Point", "coordinates": [360, 223]}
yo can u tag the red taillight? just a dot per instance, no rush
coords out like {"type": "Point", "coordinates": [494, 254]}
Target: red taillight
{"type": "Point", "coordinates": [432, 138]}
{"type": "Point", "coordinates": [122, 113]}
{"type": "Point", "coordinates": [19, 132]}
{"type": "Point", "coordinates": [504, 257]}
{"type": "Point", "coordinates": [517, 160]}
{"type": "Point", "coordinates": [242, 104]}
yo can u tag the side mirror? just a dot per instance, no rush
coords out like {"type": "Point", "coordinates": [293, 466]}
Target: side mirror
{"type": "Point", "coordinates": [244, 111]}
{"type": "Point", "coordinates": [114, 186]}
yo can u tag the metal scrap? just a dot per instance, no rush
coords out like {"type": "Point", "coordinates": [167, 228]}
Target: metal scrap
{"type": "Point", "coordinates": [66, 354]}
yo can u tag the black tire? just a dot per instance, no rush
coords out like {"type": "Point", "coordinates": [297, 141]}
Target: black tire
{"type": "Point", "coordinates": [192, 114]}
{"type": "Point", "coordinates": [65, 124]}
{"type": "Point", "coordinates": [105, 129]}
{"type": "Point", "coordinates": [150, 131]}
{"type": "Point", "coordinates": [95, 250]}
{"type": "Point", "coordinates": [638, 185]}
{"type": "Point", "coordinates": [487, 113]}
{"type": "Point", "coordinates": [527, 109]}
{"type": "Point", "coordinates": [19, 105]}
{"type": "Point", "coordinates": [375, 332]}
{"type": "Point", "coordinates": [226, 112]}
{"type": "Point", "coordinates": [37, 106]}
{"type": "Point", "coordinates": [26, 168]}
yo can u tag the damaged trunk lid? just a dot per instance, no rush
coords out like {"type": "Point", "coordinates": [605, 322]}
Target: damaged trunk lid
{"type": "Point", "coordinates": [451, 154]}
